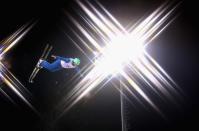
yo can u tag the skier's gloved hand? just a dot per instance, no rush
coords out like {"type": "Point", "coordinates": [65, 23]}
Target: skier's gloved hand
{"type": "Point", "coordinates": [54, 56]}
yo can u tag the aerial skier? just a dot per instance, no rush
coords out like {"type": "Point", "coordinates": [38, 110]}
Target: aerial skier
{"type": "Point", "coordinates": [59, 63]}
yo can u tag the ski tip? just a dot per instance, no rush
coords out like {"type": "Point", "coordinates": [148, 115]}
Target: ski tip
{"type": "Point", "coordinates": [31, 81]}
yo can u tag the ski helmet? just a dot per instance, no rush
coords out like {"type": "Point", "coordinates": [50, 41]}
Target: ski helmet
{"type": "Point", "coordinates": [76, 61]}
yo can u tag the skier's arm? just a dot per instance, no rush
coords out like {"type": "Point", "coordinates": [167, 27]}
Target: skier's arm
{"type": "Point", "coordinates": [62, 58]}
{"type": "Point", "coordinates": [77, 69]}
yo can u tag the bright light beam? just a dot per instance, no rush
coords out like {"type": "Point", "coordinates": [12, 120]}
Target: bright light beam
{"type": "Point", "coordinates": [121, 52]}
{"type": "Point", "coordinates": [6, 76]}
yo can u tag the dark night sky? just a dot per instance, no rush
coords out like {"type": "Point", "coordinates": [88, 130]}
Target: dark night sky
{"type": "Point", "coordinates": [176, 50]}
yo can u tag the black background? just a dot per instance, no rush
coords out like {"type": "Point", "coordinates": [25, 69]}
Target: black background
{"type": "Point", "coordinates": [176, 50]}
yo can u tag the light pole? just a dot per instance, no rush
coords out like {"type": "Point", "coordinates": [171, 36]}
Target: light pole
{"type": "Point", "coordinates": [122, 106]}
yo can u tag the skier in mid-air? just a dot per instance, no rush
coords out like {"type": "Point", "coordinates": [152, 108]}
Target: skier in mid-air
{"type": "Point", "coordinates": [60, 63]}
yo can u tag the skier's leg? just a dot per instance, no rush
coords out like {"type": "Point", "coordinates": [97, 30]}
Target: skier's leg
{"type": "Point", "coordinates": [52, 67]}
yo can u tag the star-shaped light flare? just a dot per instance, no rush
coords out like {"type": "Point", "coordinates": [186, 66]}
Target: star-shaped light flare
{"type": "Point", "coordinates": [6, 76]}
{"type": "Point", "coordinates": [120, 51]}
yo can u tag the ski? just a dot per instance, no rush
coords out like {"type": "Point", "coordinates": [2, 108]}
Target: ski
{"type": "Point", "coordinates": [44, 56]}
